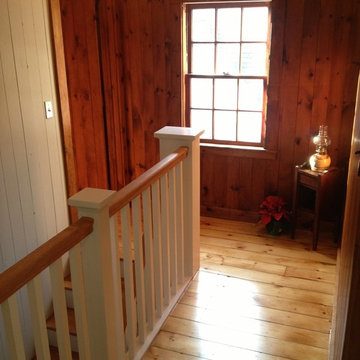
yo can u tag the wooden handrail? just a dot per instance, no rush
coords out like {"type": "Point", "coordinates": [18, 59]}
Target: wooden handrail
{"type": "Point", "coordinates": [135, 188]}
{"type": "Point", "coordinates": [31, 265]}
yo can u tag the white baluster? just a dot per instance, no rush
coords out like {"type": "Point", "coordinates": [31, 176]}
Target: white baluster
{"type": "Point", "coordinates": [155, 192]}
{"type": "Point", "coordinates": [149, 259]}
{"type": "Point", "coordinates": [12, 327]}
{"type": "Point", "coordinates": [60, 309]}
{"type": "Point", "coordinates": [114, 231]}
{"type": "Point", "coordinates": [38, 319]}
{"type": "Point", "coordinates": [179, 223]}
{"type": "Point", "coordinates": [139, 268]}
{"type": "Point", "coordinates": [164, 197]}
{"type": "Point", "coordinates": [129, 280]}
{"type": "Point", "coordinates": [172, 232]}
{"type": "Point", "coordinates": [78, 293]}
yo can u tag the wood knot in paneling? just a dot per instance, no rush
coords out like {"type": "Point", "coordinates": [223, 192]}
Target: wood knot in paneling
{"type": "Point", "coordinates": [309, 104]}
{"type": "Point", "coordinates": [284, 57]}
{"type": "Point", "coordinates": [205, 190]}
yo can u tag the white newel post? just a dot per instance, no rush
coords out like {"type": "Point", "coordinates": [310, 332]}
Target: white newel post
{"type": "Point", "coordinates": [100, 280]}
{"type": "Point", "coordinates": [172, 138]}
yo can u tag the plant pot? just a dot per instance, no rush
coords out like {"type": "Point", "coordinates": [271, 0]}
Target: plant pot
{"type": "Point", "coordinates": [275, 227]}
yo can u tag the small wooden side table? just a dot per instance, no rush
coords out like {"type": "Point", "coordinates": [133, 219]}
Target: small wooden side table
{"type": "Point", "coordinates": [327, 188]}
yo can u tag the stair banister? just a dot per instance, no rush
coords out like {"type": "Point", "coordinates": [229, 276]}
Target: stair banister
{"type": "Point", "coordinates": [26, 273]}
{"type": "Point", "coordinates": [159, 214]}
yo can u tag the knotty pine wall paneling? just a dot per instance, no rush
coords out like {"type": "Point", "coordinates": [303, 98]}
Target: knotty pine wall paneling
{"type": "Point", "coordinates": [124, 78]}
{"type": "Point", "coordinates": [323, 61]}
{"type": "Point", "coordinates": [289, 91]}
{"type": "Point", "coordinates": [152, 71]}
{"type": "Point", "coordinates": [138, 79]}
{"type": "Point", "coordinates": [85, 92]}
{"type": "Point", "coordinates": [351, 22]}
{"type": "Point", "coordinates": [340, 62]}
{"type": "Point", "coordinates": [269, 182]}
{"type": "Point", "coordinates": [309, 40]}
{"type": "Point", "coordinates": [111, 70]}
{"type": "Point", "coordinates": [314, 63]}
{"type": "Point", "coordinates": [124, 73]}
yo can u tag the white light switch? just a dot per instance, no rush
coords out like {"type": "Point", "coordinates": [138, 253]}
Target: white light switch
{"type": "Point", "coordinates": [49, 110]}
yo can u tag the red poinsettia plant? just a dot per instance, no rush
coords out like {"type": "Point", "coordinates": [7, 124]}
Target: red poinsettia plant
{"type": "Point", "coordinates": [274, 214]}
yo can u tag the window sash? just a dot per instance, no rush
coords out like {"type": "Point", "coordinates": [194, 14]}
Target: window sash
{"type": "Point", "coordinates": [215, 4]}
{"type": "Point", "coordinates": [188, 78]}
{"type": "Point", "coordinates": [189, 75]}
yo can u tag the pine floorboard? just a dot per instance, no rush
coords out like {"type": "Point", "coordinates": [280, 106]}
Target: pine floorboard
{"type": "Point", "coordinates": [255, 297]}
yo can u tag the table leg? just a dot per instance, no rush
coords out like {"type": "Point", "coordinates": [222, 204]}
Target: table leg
{"type": "Point", "coordinates": [294, 205]}
{"type": "Point", "coordinates": [316, 220]}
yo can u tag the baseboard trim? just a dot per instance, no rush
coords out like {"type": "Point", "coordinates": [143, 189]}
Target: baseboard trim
{"type": "Point", "coordinates": [230, 214]}
{"type": "Point", "coordinates": [151, 336]}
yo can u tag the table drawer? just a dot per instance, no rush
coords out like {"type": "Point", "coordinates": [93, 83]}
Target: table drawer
{"type": "Point", "coordinates": [308, 181]}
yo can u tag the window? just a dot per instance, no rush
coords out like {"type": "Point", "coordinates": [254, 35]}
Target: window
{"type": "Point", "coordinates": [227, 71]}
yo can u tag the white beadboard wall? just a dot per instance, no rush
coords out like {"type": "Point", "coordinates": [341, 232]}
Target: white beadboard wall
{"type": "Point", "coordinates": [32, 186]}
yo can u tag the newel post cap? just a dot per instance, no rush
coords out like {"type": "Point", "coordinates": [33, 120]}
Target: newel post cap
{"type": "Point", "coordinates": [91, 198]}
{"type": "Point", "coordinates": [178, 132]}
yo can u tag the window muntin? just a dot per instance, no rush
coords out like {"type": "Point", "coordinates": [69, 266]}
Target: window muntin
{"type": "Point", "coordinates": [228, 46]}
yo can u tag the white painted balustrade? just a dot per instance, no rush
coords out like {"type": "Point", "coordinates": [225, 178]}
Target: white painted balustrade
{"type": "Point", "coordinates": [143, 247]}
{"type": "Point", "coordinates": [28, 273]}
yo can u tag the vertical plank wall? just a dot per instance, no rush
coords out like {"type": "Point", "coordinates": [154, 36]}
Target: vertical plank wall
{"type": "Point", "coordinates": [123, 67]}
{"type": "Point", "coordinates": [85, 92]}
{"type": "Point", "coordinates": [32, 187]}
{"type": "Point", "coordinates": [314, 63]}
{"type": "Point", "coordinates": [134, 73]}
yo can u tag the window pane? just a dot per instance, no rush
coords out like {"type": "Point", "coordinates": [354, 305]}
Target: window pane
{"type": "Point", "coordinates": [203, 25]}
{"type": "Point", "coordinates": [227, 59]}
{"type": "Point", "coordinates": [225, 125]}
{"type": "Point", "coordinates": [201, 91]}
{"type": "Point", "coordinates": [202, 120]}
{"type": "Point", "coordinates": [249, 126]}
{"type": "Point", "coordinates": [251, 94]}
{"type": "Point", "coordinates": [228, 24]}
{"type": "Point", "coordinates": [225, 94]}
{"type": "Point", "coordinates": [202, 59]}
{"type": "Point", "coordinates": [253, 59]}
{"type": "Point", "coordinates": [255, 24]}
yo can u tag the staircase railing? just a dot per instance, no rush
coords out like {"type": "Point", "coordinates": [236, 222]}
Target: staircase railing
{"type": "Point", "coordinates": [27, 273]}
{"type": "Point", "coordinates": [151, 225]}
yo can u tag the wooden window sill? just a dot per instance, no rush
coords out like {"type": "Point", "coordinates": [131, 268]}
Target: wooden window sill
{"type": "Point", "coordinates": [238, 151]}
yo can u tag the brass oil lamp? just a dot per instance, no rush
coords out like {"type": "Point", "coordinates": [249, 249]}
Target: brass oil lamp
{"type": "Point", "coordinates": [321, 161]}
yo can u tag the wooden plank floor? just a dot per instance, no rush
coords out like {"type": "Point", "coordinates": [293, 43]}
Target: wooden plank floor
{"type": "Point", "coordinates": [255, 297]}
